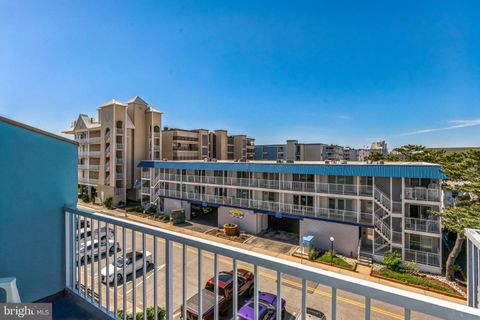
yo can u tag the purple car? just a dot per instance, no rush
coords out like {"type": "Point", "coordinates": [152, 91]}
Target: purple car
{"type": "Point", "coordinates": [267, 307]}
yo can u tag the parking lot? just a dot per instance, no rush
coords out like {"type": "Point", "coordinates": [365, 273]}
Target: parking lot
{"type": "Point", "coordinates": [318, 296]}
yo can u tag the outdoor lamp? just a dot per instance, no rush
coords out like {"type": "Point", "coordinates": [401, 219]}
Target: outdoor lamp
{"type": "Point", "coordinates": [331, 250]}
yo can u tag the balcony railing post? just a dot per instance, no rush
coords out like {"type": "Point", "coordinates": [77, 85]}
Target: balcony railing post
{"type": "Point", "coordinates": [334, 303]}
{"type": "Point", "coordinates": [169, 279]}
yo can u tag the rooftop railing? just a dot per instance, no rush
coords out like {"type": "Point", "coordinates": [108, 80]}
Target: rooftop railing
{"type": "Point", "coordinates": [177, 266]}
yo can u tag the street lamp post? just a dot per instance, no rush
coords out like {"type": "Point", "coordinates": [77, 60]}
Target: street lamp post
{"type": "Point", "coordinates": [331, 250]}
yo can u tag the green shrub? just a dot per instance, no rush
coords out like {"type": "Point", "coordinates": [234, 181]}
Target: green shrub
{"type": "Point", "coordinates": [416, 280]}
{"type": "Point", "coordinates": [392, 260]}
{"type": "Point", "coordinates": [138, 209]}
{"type": "Point", "coordinates": [458, 270]}
{"type": "Point", "coordinates": [108, 203]}
{"type": "Point", "coordinates": [313, 254]}
{"type": "Point", "coordinates": [85, 198]}
{"type": "Point", "coordinates": [150, 314]}
{"type": "Point", "coordinates": [411, 267]}
{"type": "Point", "coordinates": [337, 261]}
{"type": "Point", "coordinates": [152, 209]}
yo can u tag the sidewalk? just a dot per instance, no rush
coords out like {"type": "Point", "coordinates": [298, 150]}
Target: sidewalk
{"type": "Point", "coordinates": [362, 272]}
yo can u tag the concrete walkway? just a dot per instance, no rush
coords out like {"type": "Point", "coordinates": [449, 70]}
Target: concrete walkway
{"type": "Point", "coordinates": [362, 272]}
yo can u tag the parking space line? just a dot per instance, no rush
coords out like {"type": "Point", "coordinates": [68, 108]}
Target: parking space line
{"type": "Point", "coordinates": [148, 277]}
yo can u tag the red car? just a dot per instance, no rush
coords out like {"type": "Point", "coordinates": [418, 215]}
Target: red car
{"type": "Point", "coordinates": [225, 283]}
{"type": "Point", "coordinates": [225, 293]}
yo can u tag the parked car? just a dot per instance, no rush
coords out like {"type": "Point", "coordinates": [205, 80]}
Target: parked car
{"type": "Point", "coordinates": [225, 283]}
{"type": "Point", "coordinates": [267, 307]}
{"type": "Point", "coordinates": [93, 249]}
{"type": "Point", "coordinates": [225, 292]}
{"type": "Point", "coordinates": [313, 314]}
{"type": "Point", "coordinates": [128, 266]}
{"type": "Point", "coordinates": [88, 232]}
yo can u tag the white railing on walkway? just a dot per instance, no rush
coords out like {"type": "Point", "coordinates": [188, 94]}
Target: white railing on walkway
{"type": "Point", "coordinates": [422, 257]}
{"type": "Point", "coordinates": [308, 211]}
{"type": "Point", "coordinates": [328, 188]}
{"type": "Point", "coordinates": [87, 181]}
{"type": "Point", "coordinates": [422, 194]}
{"type": "Point", "coordinates": [422, 225]}
{"type": "Point", "coordinates": [175, 258]}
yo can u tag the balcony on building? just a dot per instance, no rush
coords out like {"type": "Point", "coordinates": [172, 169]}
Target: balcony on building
{"type": "Point", "coordinates": [77, 289]}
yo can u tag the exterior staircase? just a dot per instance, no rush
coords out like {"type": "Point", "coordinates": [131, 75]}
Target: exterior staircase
{"type": "Point", "coordinates": [380, 216]}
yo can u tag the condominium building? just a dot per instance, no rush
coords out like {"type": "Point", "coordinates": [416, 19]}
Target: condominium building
{"type": "Point", "coordinates": [368, 209]}
{"type": "Point", "coordinates": [379, 146]}
{"type": "Point", "coordinates": [112, 145]}
{"type": "Point", "coordinates": [295, 151]}
{"type": "Point", "coordinates": [198, 144]}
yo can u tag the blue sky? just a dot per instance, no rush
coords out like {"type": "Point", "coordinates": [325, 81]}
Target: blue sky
{"type": "Point", "coordinates": [343, 72]}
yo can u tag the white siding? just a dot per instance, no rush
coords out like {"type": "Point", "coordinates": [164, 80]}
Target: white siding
{"type": "Point", "coordinates": [346, 236]}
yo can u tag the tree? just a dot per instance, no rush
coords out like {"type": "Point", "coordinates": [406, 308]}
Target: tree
{"type": "Point", "coordinates": [375, 156]}
{"type": "Point", "coordinates": [463, 172]}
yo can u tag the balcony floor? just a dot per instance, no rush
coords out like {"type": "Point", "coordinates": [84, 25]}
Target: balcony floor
{"type": "Point", "coordinates": [73, 307]}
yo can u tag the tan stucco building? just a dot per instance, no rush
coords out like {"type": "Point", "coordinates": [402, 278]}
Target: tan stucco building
{"type": "Point", "coordinates": [181, 144]}
{"type": "Point", "coordinates": [112, 144]}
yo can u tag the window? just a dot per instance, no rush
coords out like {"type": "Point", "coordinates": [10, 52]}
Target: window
{"type": "Point", "coordinates": [303, 200]}
{"type": "Point", "coordinates": [340, 179]}
{"type": "Point", "coordinates": [419, 212]}
{"type": "Point", "coordinates": [420, 243]}
{"type": "Point", "coordinates": [340, 204]}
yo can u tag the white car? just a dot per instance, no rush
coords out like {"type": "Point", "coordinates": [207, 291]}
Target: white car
{"type": "Point", "coordinates": [128, 266]}
{"type": "Point", "coordinates": [313, 314]}
{"type": "Point", "coordinates": [93, 249]}
{"type": "Point", "coordinates": [88, 232]}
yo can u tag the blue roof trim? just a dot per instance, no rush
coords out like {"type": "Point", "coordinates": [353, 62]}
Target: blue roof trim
{"type": "Point", "coordinates": [378, 170]}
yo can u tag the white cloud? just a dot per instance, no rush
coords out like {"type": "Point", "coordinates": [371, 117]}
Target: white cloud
{"type": "Point", "coordinates": [455, 124]}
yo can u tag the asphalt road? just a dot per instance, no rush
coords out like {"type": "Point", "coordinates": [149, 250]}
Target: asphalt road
{"type": "Point", "coordinates": [349, 306]}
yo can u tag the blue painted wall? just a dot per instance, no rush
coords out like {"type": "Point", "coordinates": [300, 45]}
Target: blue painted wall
{"type": "Point", "coordinates": [38, 176]}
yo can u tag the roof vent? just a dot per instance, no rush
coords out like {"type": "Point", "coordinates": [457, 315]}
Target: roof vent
{"type": "Point", "coordinates": [164, 159]}
{"type": "Point", "coordinates": [205, 159]}
{"type": "Point", "coordinates": [213, 160]}
{"type": "Point", "coordinates": [327, 161]}
{"type": "Point", "coordinates": [381, 162]}
{"type": "Point", "coordinates": [290, 161]}
{"type": "Point", "coordinates": [343, 162]}
{"type": "Point", "coordinates": [279, 161]}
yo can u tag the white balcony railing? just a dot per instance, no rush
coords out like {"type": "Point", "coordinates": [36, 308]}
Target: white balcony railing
{"type": "Point", "coordinates": [422, 225]}
{"type": "Point", "coordinates": [95, 140]}
{"type": "Point", "coordinates": [90, 181]}
{"type": "Point", "coordinates": [308, 211]}
{"type": "Point", "coordinates": [146, 175]}
{"type": "Point", "coordinates": [179, 265]}
{"type": "Point", "coordinates": [423, 194]}
{"type": "Point", "coordinates": [328, 188]}
{"type": "Point", "coordinates": [146, 190]}
{"type": "Point", "coordinates": [93, 167]}
{"type": "Point", "coordinates": [120, 131]}
{"type": "Point", "coordinates": [119, 146]}
{"type": "Point", "coordinates": [422, 257]}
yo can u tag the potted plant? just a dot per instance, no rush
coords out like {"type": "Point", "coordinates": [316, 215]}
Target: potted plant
{"type": "Point", "coordinates": [230, 229]}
